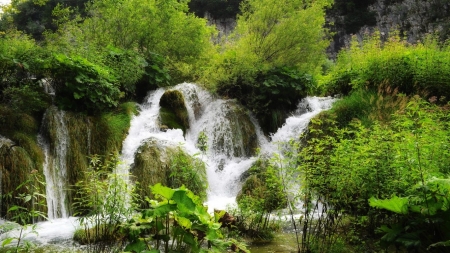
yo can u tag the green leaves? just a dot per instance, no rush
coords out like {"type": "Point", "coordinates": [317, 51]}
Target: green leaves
{"type": "Point", "coordinates": [79, 80]}
{"type": "Point", "coordinates": [394, 204]}
{"type": "Point", "coordinates": [178, 216]}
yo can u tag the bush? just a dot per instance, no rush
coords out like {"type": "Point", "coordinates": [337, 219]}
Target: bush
{"type": "Point", "coordinates": [84, 86]}
{"type": "Point", "coordinates": [413, 69]}
{"type": "Point", "coordinates": [270, 95]}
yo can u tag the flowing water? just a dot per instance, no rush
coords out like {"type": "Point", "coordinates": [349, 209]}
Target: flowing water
{"type": "Point", "coordinates": [226, 157]}
{"type": "Point", "coordinates": [55, 168]}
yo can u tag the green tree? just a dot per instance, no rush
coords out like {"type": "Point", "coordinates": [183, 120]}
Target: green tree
{"type": "Point", "coordinates": [162, 27]}
{"type": "Point", "coordinates": [286, 33]}
{"type": "Point", "coordinates": [35, 16]}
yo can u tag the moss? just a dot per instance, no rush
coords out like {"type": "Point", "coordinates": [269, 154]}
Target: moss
{"type": "Point", "coordinates": [262, 190]}
{"type": "Point", "coordinates": [110, 129]}
{"type": "Point", "coordinates": [244, 130]}
{"type": "Point", "coordinates": [19, 157]}
{"type": "Point", "coordinates": [19, 177]}
{"type": "Point", "coordinates": [172, 167]}
{"type": "Point", "coordinates": [173, 112]}
{"type": "Point", "coordinates": [169, 118]}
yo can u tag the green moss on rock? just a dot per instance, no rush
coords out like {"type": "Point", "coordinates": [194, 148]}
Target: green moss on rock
{"type": "Point", "coordinates": [173, 111]}
{"type": "Point", "coordinates": [171, 166]}
{"type": "Point", "coordinates": [262, 189]}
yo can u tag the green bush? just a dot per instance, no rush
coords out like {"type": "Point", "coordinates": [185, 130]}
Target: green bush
{"type": "Point", "coordinates": [413, 69]}
{"type": "Point", "coordinates": [379, 161]}
{"type": "Point", "coordinates": [270, 95]}
{"type": "Point", "coordinates": [83, 85]}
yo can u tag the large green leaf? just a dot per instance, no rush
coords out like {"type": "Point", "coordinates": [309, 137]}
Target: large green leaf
{"type": "Point", "coordinates": [395, 204]}
{"type": "Point", "coordinates": [184, 202]}
{"type": "Point", "coordinates": [163, 191]}
{"type": "Point", "coordinates": [137, 246]}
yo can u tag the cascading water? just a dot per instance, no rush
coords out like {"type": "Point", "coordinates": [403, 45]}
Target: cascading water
{"type": "Point", "coordinates": [55, 167]}
{"type": "Point", "coordinates": [225, 125]}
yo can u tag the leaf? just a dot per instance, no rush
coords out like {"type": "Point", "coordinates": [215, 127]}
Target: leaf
{"type": "Point", "coordinates": [163, 191]}
{"type": "Point", "coordinates": [136, 246]}
{"type": "Point", "coordinates": [395, 204]}
{"type": "Point", "coordinates": [439, 244]}
{"type": "Point", "coordinates": [76, 95]}
{"type": "Point", "coordinates": [7, 241]}
{"type": "Point", "coordinates": [27, 198]}
{"type": "Point", "coordinates": [184, 202]}
{"type": "Point", "coordinates": [13, 208]}
{"type": "Point", "coordinates": [184, 222]}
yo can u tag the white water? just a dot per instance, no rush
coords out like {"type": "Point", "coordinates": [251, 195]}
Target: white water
{"type": "Point", "coordinates": [55, 170]}
{"type": "Point", "coordinates": [206, 114]}
{"type": "Point", "coordinates": [211, 116]}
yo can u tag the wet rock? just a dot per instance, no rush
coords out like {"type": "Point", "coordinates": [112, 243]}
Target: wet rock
{"type": "Point", "coordinates": [173, 112]}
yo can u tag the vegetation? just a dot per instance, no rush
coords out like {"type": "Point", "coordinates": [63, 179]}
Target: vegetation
{"type": "Point", "coordinates": [262, 193]}
{"type": "Point", "coordinates": [172, 167]}
{"type": "Point", "coordinates": [272, 53]}
{"type": "Point", "coordinates": [177, 222]}
{"type": "Point", "coordinates": [375, 166]}
{"type": "Point", "coordinates": [173, 112]}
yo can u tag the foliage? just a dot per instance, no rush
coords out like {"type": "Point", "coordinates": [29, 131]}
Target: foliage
{"type": "Point", "coordinates": [424, 216]}
{"type": "Point", "coordinates": [82, 85]}
{"type": "Point", "coordinates": [152, 27]}
{"type": "Point", "coordinates": [105, 203]}
{"type": "Point", "coordinates": [271, 95]}
{"type": "Point", "coordinates": [264, 64]}
{"type": "Point", "coordinates": [170, 166]}
{"type": "Point", "coordinates": [187, 170]}
{"type": "Point", "coordinates": [381, 160]}
{"type": "Point", "coordinates": [22, 215]}
{"type": "Point", "coordinates": [262, 189]}
{"type": "Point", "coordinates": [177, 222]}
{"type": "Point", "coordinates": [290, 33]}
{"type": "Point", "coordinates": [35, 16]}
{"type": "Point", "coordinates": [412, 69]}
{"type": "Point", "coordinates": [20, 61]}
{"type": "Point", "coordinates": [262, 193]}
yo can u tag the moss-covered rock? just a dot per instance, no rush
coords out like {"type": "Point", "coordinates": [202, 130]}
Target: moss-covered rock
{"type": "Point", "coordinates": [233, 131]}
{"type": "Point", "coordinates": [173, 111]}
{"type": "Point", "coordinates": [21, 160]}
{"type": "Point", "coordinates": [243, 130]}
{"type": "Point", "coordinates": [20, 176]}
{"type": "Point", "coordinates": [157, 163]}
{"type": "Point", "coordinates": [262, 189]}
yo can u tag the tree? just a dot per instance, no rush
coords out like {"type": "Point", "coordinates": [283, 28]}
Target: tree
{"type": "Point", "coordinates": [35, 16]}
{"type": "Point", "coordinates": [286, 33]}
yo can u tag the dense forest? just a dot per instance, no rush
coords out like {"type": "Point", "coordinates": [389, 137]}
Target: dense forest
{"type": "Point", "coordinates": [372, 173]}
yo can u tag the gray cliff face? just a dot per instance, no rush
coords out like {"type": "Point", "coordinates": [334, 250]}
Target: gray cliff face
{"type": "Point", "coordinates": [413, 19]}
{"type": "Point", "coordinates": [224, 26]}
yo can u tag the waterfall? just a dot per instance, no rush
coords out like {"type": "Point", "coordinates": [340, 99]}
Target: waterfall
{"type": "Point", "coordinates": [227, 156]}
{"type": "Point", "coordinates": [55, 167]}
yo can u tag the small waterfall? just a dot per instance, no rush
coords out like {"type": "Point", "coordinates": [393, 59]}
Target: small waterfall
{"type": "Point", "coordinates": [225, 125]}
{"type": "Point", "coordinates": [55, 168]}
